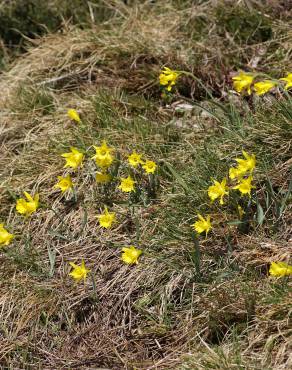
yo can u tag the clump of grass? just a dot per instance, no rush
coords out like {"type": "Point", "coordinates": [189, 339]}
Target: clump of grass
{"type": "Point", "coordinates": [190, 302]}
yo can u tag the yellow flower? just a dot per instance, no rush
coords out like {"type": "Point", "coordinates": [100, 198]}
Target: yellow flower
{"type": "Point", "coordinates": [127, 184]}
{"type": "Point", "coordinates": [168, 78]}
{"type": "Point", "coordinates": [135, 159]}
{"type": "Point", "coordinates": [247, 164]}
{"type": "Point", "coordinates": [64, 183]}
{"type": "Point", "coordinates": [79, 272]}
{"type": "Point", "coordinates": [280, 269]}
{"type": "Point", "coordinates": [241, 212]}
{"type": "Point", "coordinates": [73, 159]}
{"type": "Point", "coordinates": [288, 79]}
{"type": "Point", "coordinates": [107, 218]}
{"type": "Point", "coordinates": [130, 254]}
{"type": "Point", "coordinates": [103, 157]}
{"type": "Point", "coordinates": [243, 81]}
{"type": "Point", "coordinates": [27, 207]}
{"type": "Point", "coordinates": [5, 236]}
{"type": "Point", "coordinates": [102, 150]}
{"type": "Point", "coordinates": [218, 190]}
{"type": "Point", "coordinates": [73, 114]}
{"type": "Point", "coordinates": [245, 186]}
{"type": "Point", "coordinates": [263, 87]}
{"type": "Point", "coordinates": [203, 224]}
{"type": "Point", "coordinates": [235, 172]}
{"type": "Point", "coordinates": [104, 161]}
{"type": "Point", "coordinates": [149, 166]}
{"type": "Point", "coordinates": [102, 177]}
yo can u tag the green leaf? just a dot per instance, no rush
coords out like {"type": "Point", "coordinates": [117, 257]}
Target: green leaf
{"type": "Point", "coordinates": [179, 179]}
{"type": "Point", "coordinates": [260, 214]}
{"type": "Point", "coordinates": [235, 222]}
{"type": "Point", "coordinates": [52, 259]}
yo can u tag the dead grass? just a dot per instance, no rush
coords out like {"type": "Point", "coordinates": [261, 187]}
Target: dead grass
{"type": "Point", "coordinates": [162, 313]}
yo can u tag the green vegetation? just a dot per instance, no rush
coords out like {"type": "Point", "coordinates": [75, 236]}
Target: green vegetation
{"type": "Point", "coordinates": [192, 302]}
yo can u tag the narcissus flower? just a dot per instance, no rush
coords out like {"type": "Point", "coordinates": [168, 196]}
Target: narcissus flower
{"type": "Point", "coordinates": [241, 212]}
{"type": "Point", "coordinates": [103, 157]}
{"type": "Point", "coordinates": [218, 190]}
{"type": "Point", "coordinates": [73, 114]}
{"type": "Point", "coordinates": [135, 159]}
{"type": "Point", "coordinates": [104, 161]}
{"type": "Point", "coordinates": [168, 78]}
{"type": "Point", "coordinates": [149, 166]}
{"type": "Point", "coordinates": [236, 172]}
{"type": "Point", "coordinates": [245, 186]}
{"type": "Point", "coordinates": [242, 82]}
{"type": "Point", "coordinates": [79, 272]}
{"type": "Point", "coordinates": [102, 150]}
{"type": "Point", "coordinates": [5, 236]}
{"type": "Point", "coordinates": [27, 207]}
{"type": "Point", "coordinates": [279, 269]}
{"type": "Point", "coordinates": [130, 255]}
{"type": "Point", "coordinates": [102, 177]}
{"type": "Point", "coordinates": [64, 183]}
{"type": "Point", "coordinates": [107, 218]}
{"type": "Point", "coordinates": [73, 159]}
{"type": "Point", "coordinates": [127, 184]}
{"type": "Point", "coordinates": [202, 225]}
{"type": "Point", "coordinates": [263, 87]}
{"type": "Point", "coordinates": [246, 164]}
{"type": "Point", "coordinates": [288, 79]}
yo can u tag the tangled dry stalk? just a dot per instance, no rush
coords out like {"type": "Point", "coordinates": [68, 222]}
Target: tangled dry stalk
{"type": "Point", "coordinates": [159, 314]}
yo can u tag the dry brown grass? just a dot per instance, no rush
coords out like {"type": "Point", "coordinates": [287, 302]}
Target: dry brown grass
{"type": "Point", "coordinates": [156, 315]}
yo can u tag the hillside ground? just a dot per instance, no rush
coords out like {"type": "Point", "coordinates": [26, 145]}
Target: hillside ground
{"type": "Point", "coordinates": [192, 302]}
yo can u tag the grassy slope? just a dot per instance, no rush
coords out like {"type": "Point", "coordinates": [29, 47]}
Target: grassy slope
{"type": "Point", "coordinates": [164, 312]}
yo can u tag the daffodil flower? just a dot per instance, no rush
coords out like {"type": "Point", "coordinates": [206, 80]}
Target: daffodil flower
{"type": "Point", "coordinates": [149, 166]}
{"type": "Point", "coordinates": [203, 224]}
{"type": "Point", "coordinates": [168, 78]}
{"type": "Point", "coordinates": [29, 206]}
{"type": "Point", "coordinates": [218, 190]}
{"type": "Point", "coordinates": [73, 115]}
{"type": "Point", "coordinates": [288, 79]}
{"type": "Point", "coordinates": [130, 255]}
{"type": "Point", "coordinates": [263, 87]}
{"type": "Point", "coordinates": [127, 184]}
{"type": "Point", "coordinates": [73, 159]}
{"type": "Point", "coordinates": [245, 186]}
{"type": "Point", "coordinates": [102, 177]}
{"type": "Point", "coordinates": [135, 159]}
{"type": "Point", "coordinates": [107, 218]}
{"type": "Point", "coordinates": [243, 81]}
{"type": "Point", "coordinates": [64, 183]}
{"type": "Point", "coordinates": [5, 236]}
{"type": "Point", "coordinates": [79, 272]}
{"type": "Point", "coordinates": [241, 211]}
{"type": "Point", "coordinates": [279, 269]}
{"type": "Point", "coordinates": [103, 157]}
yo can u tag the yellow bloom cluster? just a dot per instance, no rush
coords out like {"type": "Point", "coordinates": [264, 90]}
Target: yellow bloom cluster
{"type": "Point", "coordinates": [73, 115]}
{"type": "Point", "coordinates": [5, 236]}
{"type": "Point", "coordinates": [130, 256]}
{"type": "Point", "coordinates": [244, 82]}
{"type": "Point", "coordinates": [242, 173]}
{"type": "Point", "coordinates": [280, 269]}
{"type": "Point", "coordinates": [104, 158]}
{"type": "Point", "coordinates": [168, 78]}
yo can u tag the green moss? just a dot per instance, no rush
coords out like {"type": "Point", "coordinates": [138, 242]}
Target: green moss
{"type": "Point", "coordinates": [244, 25]}
{"type": "Point", "coordinates": [38, 17]}
{"type": "Point", "coordinates": [32, 99]}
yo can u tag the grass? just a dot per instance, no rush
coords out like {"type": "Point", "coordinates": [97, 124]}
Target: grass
{"type": "Point", "coordinates": [191, 302]}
